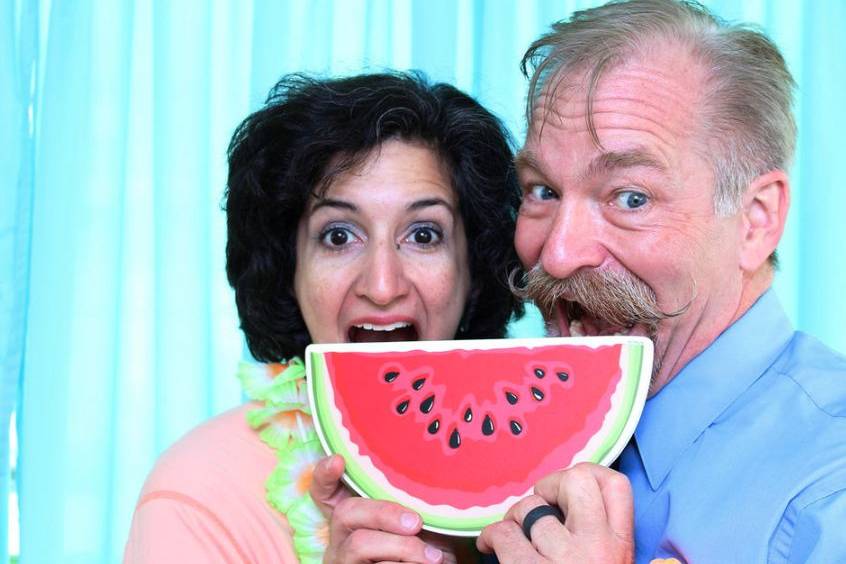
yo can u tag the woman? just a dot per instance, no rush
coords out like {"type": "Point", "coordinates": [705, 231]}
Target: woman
{"type": "Point", "coordinates": [371, 208]}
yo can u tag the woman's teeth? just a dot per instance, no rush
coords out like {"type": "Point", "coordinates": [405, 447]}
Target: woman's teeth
{"type": "Point", "coordinates": [389, 327]}
{"type": "Point", "coordinates": [375, 333]}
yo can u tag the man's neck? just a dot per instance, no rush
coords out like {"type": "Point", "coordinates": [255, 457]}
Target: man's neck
{"type": "Point", "coordinates": [753, 287]}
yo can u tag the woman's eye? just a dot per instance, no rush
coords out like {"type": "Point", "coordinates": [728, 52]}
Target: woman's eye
{"type": "Point", "coordinates": [425, 236]}
{"type": "Point", "coordinates": [542, 192]}
{"type": "Point", "coordinates": [336, 237]}
{"type": "Point", "coordinates": [631, 199]}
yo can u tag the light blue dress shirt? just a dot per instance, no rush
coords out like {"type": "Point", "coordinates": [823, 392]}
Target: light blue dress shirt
{"type": "Point", "coordinates": [742, 456]}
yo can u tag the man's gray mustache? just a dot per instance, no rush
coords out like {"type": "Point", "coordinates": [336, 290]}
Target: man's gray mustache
{"type": "Point", "coordinates": [618, 298]}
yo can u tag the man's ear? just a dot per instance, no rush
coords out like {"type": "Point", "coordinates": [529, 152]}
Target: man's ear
{"type": "Point", "coordinates": [765, 206]}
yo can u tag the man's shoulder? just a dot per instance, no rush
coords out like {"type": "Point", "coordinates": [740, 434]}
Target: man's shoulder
{"type": "Point", "coordinates": [222, 449]}
{"type": "Point", "coordinates": [818, 371]}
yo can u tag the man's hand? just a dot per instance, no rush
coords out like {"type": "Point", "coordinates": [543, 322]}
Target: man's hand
{"type": "Point", "coordinates": [367, 530]}
{"type": "Point", "coordinates": [598, 520]}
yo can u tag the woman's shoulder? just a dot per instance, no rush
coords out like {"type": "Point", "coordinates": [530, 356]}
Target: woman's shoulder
{"type": "Point", "coordinates": [222, 448]}
{"type": "Point", "coordinates": [207, 492]}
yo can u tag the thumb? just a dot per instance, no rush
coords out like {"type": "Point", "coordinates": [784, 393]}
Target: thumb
{"type": "Point", "coordinates": [326, 489]}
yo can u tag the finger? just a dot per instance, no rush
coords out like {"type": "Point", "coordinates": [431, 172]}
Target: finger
{"type": "Point", "coordinates": [455, 549]}
{"type": "Point", "coordinates": [619, 502]}
{"type": "Point", "coordinates": [548, 534]}
{"type": "Point", "coordinates": [576, 491]}
{"type": "Point", "coordinates": [326, 488]}
{"type": "Point", "coordinates": [506, 539]}
{"type": "Point", "coordinates": [367, 545]}
{"type": "Point", "coordinates": [362, 513]}
{"type": "Point", "coordinates": [615, 492]}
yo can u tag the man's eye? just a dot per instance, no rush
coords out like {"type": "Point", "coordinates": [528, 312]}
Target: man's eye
{"type": "Point", "coordinates": [542, 192]}
{"type": "Point", "coordinates": [631, 199]}
{"type": "Point", "coordinates": [425, 236]}
{"type": "Point", "coordinates": [336, 237]}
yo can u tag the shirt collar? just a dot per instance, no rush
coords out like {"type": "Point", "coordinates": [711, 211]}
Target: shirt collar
{"type": "Point", "coordinates": [674, 418]}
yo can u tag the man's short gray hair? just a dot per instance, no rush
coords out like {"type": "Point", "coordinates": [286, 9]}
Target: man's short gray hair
{"type": "Point", "coordinates": [748, 91]}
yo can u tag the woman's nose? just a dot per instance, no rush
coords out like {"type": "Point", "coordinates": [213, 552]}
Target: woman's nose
{"type": "Point", "coordinates": [382, 279]}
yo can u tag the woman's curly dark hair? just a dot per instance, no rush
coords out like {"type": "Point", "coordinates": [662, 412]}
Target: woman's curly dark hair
{"type": "Point", "coordinates": [308, 132]}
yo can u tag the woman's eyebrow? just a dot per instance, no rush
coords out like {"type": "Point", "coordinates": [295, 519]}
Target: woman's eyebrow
{"type": "Point", "coordinates": [333, 203]}
{"type": "Point", "coordinates": [428, 202]}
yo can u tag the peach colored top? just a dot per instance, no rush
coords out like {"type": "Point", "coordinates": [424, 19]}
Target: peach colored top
{"type": "Point", "coordinates": [204, 501]}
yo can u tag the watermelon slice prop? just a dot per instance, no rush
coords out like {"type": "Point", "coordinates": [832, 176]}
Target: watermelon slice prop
{"type": "Point", "coordinates": [460, 430]}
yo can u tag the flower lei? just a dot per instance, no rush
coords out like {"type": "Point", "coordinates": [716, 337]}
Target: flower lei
{"type": "Point", "coordinates": [285, 425]}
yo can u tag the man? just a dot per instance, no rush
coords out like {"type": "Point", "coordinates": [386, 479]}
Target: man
{"type": "Point", "coordinates": [655, 193]}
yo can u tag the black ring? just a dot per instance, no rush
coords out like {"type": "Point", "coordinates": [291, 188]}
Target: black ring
{"type": "Point", "coordinates": [540, 511]}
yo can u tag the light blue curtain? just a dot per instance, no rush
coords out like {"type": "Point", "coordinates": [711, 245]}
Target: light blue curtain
{"type": "Point", "coordinates": [18, 26]}
{"type": "Point", "coordinates": [114, 121]}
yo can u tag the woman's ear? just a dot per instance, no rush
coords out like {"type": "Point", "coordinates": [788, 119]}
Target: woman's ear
{"type": "Point", "coordinates": [765, 207]}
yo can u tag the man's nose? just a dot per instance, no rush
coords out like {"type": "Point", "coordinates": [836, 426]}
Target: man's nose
{"type": "Point", "coordinates": [574, 242]}
{"type": "Point", "coordinates": [382, 279]}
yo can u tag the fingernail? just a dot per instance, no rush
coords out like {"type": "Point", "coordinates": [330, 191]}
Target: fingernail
{"type": "Point", "coordinates": [408, 521]}
{"type": "Point", "coordinates": [432, 554]}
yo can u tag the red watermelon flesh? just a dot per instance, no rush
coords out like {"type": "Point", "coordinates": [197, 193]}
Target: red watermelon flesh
{"type": "Point", "coordinates": [462, 427]}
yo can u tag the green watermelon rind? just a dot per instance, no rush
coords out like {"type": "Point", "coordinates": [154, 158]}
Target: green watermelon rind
{"type": "Point", "coordinates": [358, 478]}
{"type": "Point", "coordinates": [634, 354]}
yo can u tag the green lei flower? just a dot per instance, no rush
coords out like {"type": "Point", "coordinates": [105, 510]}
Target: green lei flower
{"type": "Point", "coordinates": [284, 424]}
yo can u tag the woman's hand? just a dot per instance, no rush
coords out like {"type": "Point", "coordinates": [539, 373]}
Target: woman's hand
{"type": "Point", "coordinates": [367, 530]}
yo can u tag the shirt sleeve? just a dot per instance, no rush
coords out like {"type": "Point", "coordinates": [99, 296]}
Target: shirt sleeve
{"type": "Point", "coordinates": [812, 532]}
{"type": "Point", "coordinates": [170, 527]}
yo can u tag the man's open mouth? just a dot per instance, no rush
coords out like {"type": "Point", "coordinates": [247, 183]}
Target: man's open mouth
{"type": "Point", "coordinates": [372, 333]}
{"type": "Point", "coordinates": [573, 320]}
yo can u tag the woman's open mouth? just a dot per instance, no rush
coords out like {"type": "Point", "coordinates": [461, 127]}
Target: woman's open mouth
{"type": "Point", "coordinates": [372, 333]}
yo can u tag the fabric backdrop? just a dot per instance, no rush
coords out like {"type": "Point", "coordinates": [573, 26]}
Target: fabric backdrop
{"type": "Point", "coordinates": [117, 328]}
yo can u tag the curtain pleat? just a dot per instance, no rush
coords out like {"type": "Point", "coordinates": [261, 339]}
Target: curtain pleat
{"type": "Point", "coordinates": [115, 306]}
{"type": "Point", "coordinates": [18, 79]}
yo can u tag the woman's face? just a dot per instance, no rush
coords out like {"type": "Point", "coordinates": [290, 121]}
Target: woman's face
{"type": "Point", "coordinates": [383, 255]}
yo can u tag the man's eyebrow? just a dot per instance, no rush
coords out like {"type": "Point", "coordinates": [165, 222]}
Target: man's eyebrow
{"type": "Point", "coordinates": [428, 202]}
{"type": "Point", "coordinates": [611, 160]}
{"type": "Point", "coordinates": [525, 159]}
{"type": "Point", "coordinates": [332, 203]}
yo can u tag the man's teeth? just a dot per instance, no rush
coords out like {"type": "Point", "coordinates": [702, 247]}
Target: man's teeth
{"type": "Point", "coordinates": [577, 329]}
{"type": "Point", "coordinates": [552, 329]}
{"type": "Point", "coordinates": [389, 327]}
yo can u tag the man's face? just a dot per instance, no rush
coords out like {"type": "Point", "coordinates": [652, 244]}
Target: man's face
{"type": "Point", "coordinates": [639, 207]}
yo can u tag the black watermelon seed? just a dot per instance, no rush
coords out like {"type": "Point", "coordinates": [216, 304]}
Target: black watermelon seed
{"type": "Point", "coordinates": [511, 397]}
{"type": "Point", "coordinates": [403, 407]}
{"type": "Point", "coordinates": [433, 427]}
{"type": "Point", "coordinates": [417, 384]}
{"type": "Point", "coordinates": [468, 415]}
{"type": "Point", "coordinates": [391, 376]}
{"type": "Point", "coordinates": [454, 439]}
{"type": "Point", "coordinates": [426, 404]}
{"type": "Point", "coordinates": [563, 376]}
{"type": "Point", "coordinates": [537, 394]}
{"type": "Point", "coordinates": [516, 428]}
{"type": "Point", "coordinates": [539, 373]}
{"type": "Point", "coordinates": [487, 426]}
